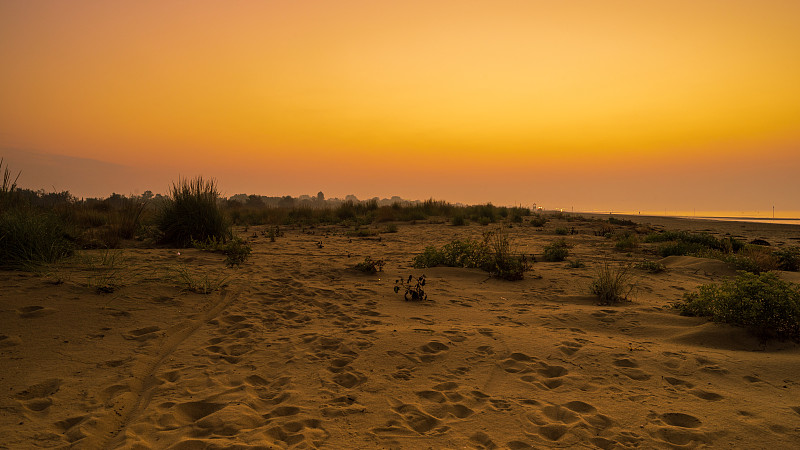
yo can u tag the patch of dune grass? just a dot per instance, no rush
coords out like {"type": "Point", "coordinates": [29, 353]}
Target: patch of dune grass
{"type": "Point", "coordinates": [613, 284]}
{"type": "Point", "coordinates": [495, 254]}
{"type": "Point", "coordinates": [191, 213]}
{"type": "Point", "coordinates": [29, 238]}
{"type": "Point", "coordinates": [764, 304]}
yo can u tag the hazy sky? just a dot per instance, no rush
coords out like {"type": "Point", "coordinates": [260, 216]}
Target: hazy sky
{"type": "Point", "coordinates": [593, 104]}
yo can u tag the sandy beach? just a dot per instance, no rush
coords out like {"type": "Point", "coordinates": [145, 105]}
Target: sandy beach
{"type": "Point", "coordinates": [299, 350]}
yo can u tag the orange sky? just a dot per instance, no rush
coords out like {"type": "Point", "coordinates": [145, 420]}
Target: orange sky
{"type": "Point", "coordinates": [463, 100]}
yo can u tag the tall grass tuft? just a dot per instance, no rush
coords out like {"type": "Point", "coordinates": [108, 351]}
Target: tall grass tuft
{"type": "Point", "coordinates": [613, 284]}
{"type": "Point", "coordinates": [191, 213]}
{"type": "Point", "coordinates": [7, 188]}
{"type": "Point", "coordinates": [29, 237]}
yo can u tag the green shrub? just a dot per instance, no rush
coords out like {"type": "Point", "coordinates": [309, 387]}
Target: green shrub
{"type": "Point", "coordinates": [563, 231]}
{"type": "Point", "coordinates": [370, 266]}
{"type": "Point", "coordinates": [390, 228]}
{"type": "Point", "coordinates": [788, 258]}
{"type": "Point", "coordinates": [556, 251]}
{"type": "Point", "coordinates": [494, 254]}
{"type": "Point", "coordinates": [695, 242]}
{"type": "Point", "coordinates": [678, 248]}
{"type": "Point", "coordinates": [505, 262]}
{"type": "Point", "coordinates": [753, 258]}
{"type": "Point", "coordinates": [576, 264]}
{"type": "Point", "coordinates": [236, 250]}
{"type": "Point", "coordinates": [191, 213]}
{"type": "Point", "coordinates": [538, 221]}
{"type": "Point", "coordinates": [623, 222]}
{"type": "Point", "coordinates": [613, 285]}
{"type": "Point", "coordinates": [484, 221]}
{"type": "Point", "coordinates": [627, 242]}
{"type": "Point", "coordinates": [650, 266]}
{"type": "Point", "coordinates": [29, 237]}
{"type": "Point", "coordinates": [766, 305]}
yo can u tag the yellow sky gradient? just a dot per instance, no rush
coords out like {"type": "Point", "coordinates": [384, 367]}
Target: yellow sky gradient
{"type": "Point", "coordinates": [331, 92]}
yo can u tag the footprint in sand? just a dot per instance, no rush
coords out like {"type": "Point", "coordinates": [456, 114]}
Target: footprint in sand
{"type": "Point", "coordinates": [534, 371]}
{"type": "Point", "coordinates": [562, 424]}
{"type": "Point", "coordinates": [432, 350]}
{"type": "Point", "coordinates": [342, 406]}
{"type": "Point", "coordinates": [36, 398]}
{"type": "Point", "coordinates": [455, 335]}
{"type": "Point", "coordinates": [705, 395]}
{"type": "Point", "coordinates": [679, 429]}
{"type": "Point", "coordinates": [440, 405]}
{"type": "Point", "coordinates": [411, 422]}
{"type": "Point", "coordinates": [629, 368]}
{"type": "Point", "coordinates": [304, 433]}
{"type": "Point", "coordinates": [403, 372]}
{"type": "Point", "coordinates": [447, 401]}
{"type": "Point", "coordinates": [677, 382]}
{"type": "Point", "coordinates": [570, 347]}
{"type": "Point", "coordinates": [142, 334]}
{"type": "Point", "coordinates": [9, 341]}
{"type": "Point", "coordinates": [482, 440]}
{"type": "Point", "coordinates": [71, 428]}
{"type": "Point", "coordinates": [349, 379]}
{"type": "Point", "coordinates": [518, 363]}
{"type": "Point", "coordinates": [28, 312]}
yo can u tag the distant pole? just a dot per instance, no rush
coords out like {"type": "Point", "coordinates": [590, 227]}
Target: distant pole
{"type": "Point", "coordinates": [773, 211]}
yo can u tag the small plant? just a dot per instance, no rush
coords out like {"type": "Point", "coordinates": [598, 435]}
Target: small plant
{"type": "Point", "coordinates": [362, 232]}
{"type": "Point", "coordinates": [788, 258]}
{"type": "Point", "coordinates": [627, 242]}
{"type": "Point", "coordinates": [390, 228]}
{"type": "Point", "coordinates": [556, 251]}
{"type": "Point", "coordinates": [562, 231]}
{"type": "Point", "coordinates": [506, 263]}
{"type": "Point", "coordinates": [576, 264]}
{"type": "Point", "coordinates": [458, 221]}
{"type": "Point", "coordinates": [201, 284]}
{"type": "Point", "coordinates": [484, 221]}
{"type": "Point", "coordinates": [370, 266]}
{"type": "Point", "coordinates": [623, 222]}
{"type": "Point", "coordinates": [272, 233]}
{"type": "Point", "coordinates": [106, 271]}
{"type": "Point", "coordinates": [650, 266]}
{"type": "Point", "coordinates": [236, 250]}
{"type": "Point", "coordinates": [415, 291]}
{"type": "Point", "coordinates": [613, 285]}
{"type": "Point", "coordinates": [766, 305]}
{"type": "Point", "coordinates": [538, 221]}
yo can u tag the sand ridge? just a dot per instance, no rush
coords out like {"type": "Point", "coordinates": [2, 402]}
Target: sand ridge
{"type": "Point", "coordinates": [302, 351]}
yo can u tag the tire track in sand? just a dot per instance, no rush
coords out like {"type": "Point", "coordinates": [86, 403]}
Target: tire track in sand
{"type": "Point", "coordinates": [126, 406]}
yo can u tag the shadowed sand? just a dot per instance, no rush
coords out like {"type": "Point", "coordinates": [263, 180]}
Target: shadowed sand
{"type": "Point", "coordinates": [302, 351]}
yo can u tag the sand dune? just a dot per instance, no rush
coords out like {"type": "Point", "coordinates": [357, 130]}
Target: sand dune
{"type": "Point", "coordinates": [302, 351]}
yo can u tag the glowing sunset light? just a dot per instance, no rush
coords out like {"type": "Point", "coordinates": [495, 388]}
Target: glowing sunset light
{"type": "Point", "coordinates": [566, 103]}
